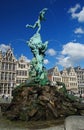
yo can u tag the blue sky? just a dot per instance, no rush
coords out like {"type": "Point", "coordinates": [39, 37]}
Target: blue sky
{"type": "Point", "coordinates": [63, 28]}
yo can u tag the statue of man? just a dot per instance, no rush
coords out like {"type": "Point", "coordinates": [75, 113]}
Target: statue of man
{"type": "Point", "coordinates": [38, 22]}
{"type": "Point", "coordinates": [38, 49]}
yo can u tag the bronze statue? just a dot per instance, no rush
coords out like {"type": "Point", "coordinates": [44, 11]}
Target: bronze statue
{"type": "Point", "coordinates": [38, 22]}
{"type": "Point", "coordinates": [37, 71]}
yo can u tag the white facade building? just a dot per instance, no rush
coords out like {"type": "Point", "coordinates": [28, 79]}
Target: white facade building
{"type": "Point", "coordinates": [67, 76]}
{"type": "Point", "coordinates": [7, 73]}
{"type": "Point", "coordinates": [22, 70]}
{"type": "Point", "coordinates": [12, 72]}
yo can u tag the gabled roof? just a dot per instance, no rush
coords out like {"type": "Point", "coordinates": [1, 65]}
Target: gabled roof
{"type": "Point", "coordinates": [8, 55]}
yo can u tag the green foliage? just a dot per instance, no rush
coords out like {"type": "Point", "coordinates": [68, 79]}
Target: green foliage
{"type": "Point", "coordinates": [74, 98]}
{"type": "Point", "coordinates": [63, 89]}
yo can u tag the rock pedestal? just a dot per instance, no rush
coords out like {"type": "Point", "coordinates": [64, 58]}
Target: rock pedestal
{"type": "Point", "coordinates": [39, 103]}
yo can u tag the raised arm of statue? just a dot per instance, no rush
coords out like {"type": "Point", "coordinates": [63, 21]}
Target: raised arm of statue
{"type": "Point", "coordinates": [41, 14]}
{"type": "Point", "coordinates": [38, 22]}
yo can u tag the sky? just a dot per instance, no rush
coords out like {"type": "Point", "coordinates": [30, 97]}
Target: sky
{"type": "Point", "coordinates": [63, 29]}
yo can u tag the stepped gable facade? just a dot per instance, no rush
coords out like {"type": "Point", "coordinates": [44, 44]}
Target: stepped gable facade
{"type": "Point", "coordinates": [12, 72]}
{"type": "Point", "coordinates": [80, 77]}
{"type": "Point", "coordinates": [7, 73]}
{"type": "Point", "coordinates": [67, 76]}
{"type": "Point", "coordinates": [22, 70]}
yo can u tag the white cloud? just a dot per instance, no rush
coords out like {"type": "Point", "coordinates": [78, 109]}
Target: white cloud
{"type": "Point", "coordinates": [77, 15]}
{"type": "Point", "coordinates": [74, 9]}
{"type": "Point", "coordinates": [51, 52]}
{"type": "Point", "coordinates": [4, 47]}
{"type": "Point", "coordinates": [73, 49]}
{"type": "Point", "coordinates": [71, 54]}
{"type": "Point", "coordinates": [79, 31]}
{"type": "Point", "coordinates": [27, 60]}
{"type": "Point", "coordinates": [81, 15]}
{"type": "Point", "coordinates": [64, 61]}
{"type": "Point", "coordinates": [46, 61]}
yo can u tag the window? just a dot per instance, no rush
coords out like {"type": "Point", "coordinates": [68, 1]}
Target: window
{"type": "Point", "coordinates": [25, 73]}
{"type": "Point", "coordinates": [0, 88]}
{"type": "Point", "coordinates": [9, 76]}
{"type": "Point", "coordinates": [14, 67]}
{"type": "Point", "coordinates": [13, 77]}
{"type": "Point", "coordinates": [6, 67]}
{"type": "Point", "coordinates": [17, 72]}
{"type": "Point", "coordinates": [3, 66]}
{"type": "Point", "coordinates": [9, 66]}
{"type": "Point", "coordinates": [8, 91]}
{"type": "Point", "coordinates": [2, 75]}
{"type": "Point", "coordinates": [5, 76]}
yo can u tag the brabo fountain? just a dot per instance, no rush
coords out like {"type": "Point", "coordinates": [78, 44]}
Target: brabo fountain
{"type": "Point", "coordinates": [38, 72]}
{"type": "Point", "coordinates": [36, 99]}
